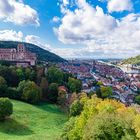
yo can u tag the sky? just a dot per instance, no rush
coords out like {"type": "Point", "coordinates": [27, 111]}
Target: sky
{"type": "Point", "coordinates": [74, 28]}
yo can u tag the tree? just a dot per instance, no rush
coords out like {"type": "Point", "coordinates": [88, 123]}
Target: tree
{"type": "Point", "coordinates": [98, 93]}
{"type": "Point", "coordinates": [76, 108]}
{"type": "Point", "coordinates": [103, 120]}
{"type": "Point", "coordinates": [106, 91]}
{"type": "Point", "coordinates": [31, 93]}
{"type": "Point", "coordinates": [99, 83]}
{"type": "Point", "coordinates": [72, 98]}
{"type": "Point", "coordinates": [3, 87]}
{"type": "Point", "coordinates": [27, 73]}
{"type": "Point", "coordinates": [137, 99]}
{"type": "Point", "coordinates": [108, 126]}
{"type": "Point", "coordinates": [20, 74]}
{"type": "Point", "coordinates": [21, 87]}
{"type": "Point", "coordinates": [6, 108]}
{"type": "Point", "coordinates": [74, 85]}
{"type": "Point", "coordinates": [66, 77]}
{"type": "Point", "coordinates": [136, 125]}
{"type": "Point", "coordinates": [10, 75]}
{"type": "Point", "coordinates": [52, 92]}
{"type": "Point", "coordinates": [40, 73]}
{"type": "Point", "coordinates": [33, 75]}
{"type": "Point", "coordinates": [44, 86]}
{"type": "Point", "coordinates": [12, 93]}
{"type": "Point", "coordinates": [61, 97]}
{"type": "Point", "coordinates": [54, 75]}
{"type": "Point", "coordinates": [13, 78]}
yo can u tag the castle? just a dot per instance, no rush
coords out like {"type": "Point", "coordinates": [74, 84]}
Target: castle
{"type": "Point", "coordinates": [18, 56]}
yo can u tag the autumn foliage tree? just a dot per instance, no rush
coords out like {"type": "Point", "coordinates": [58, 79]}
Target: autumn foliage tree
{"type": "Point", "coordinates": [103, 120]}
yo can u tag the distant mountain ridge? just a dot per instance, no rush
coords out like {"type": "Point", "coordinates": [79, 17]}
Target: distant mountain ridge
{"type": "Point", "coordinates": [42, 54]}
{"type": "Point", "coordinates": [132, 60]}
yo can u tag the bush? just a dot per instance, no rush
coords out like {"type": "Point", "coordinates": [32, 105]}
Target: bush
{"type": "Point", "coordinates": [6, 108]}
{"type": "Point", "coordinates": [31, 93]}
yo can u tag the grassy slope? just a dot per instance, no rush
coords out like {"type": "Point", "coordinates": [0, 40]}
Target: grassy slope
{"type": "Point", "coordinates": [28, 122]}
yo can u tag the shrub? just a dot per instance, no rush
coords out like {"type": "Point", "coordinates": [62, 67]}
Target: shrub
{"type": "Point", "coordinates": [31, 93]}
{"type": "Point", "coordinates": [6, 108]}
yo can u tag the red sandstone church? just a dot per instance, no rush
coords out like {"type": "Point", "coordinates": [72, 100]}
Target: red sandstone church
{"type": "Point", "coordinates": [19, 56]}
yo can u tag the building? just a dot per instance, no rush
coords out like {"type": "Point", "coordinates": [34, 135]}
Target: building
{"type": "Point", "coordinates": [18, 56]}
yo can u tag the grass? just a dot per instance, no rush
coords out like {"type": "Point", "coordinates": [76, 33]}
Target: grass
{"type": "Point", "coordinates": [29, 122]}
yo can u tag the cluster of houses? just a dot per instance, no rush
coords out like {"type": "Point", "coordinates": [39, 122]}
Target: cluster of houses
{"type": "Point", "coordinates": [108, 70]}
{"type": "Point", "coordinates": [124, 86]}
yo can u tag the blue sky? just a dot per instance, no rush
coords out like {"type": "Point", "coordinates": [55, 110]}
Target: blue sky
{"type": "Point", "coordinates": [74, 28]}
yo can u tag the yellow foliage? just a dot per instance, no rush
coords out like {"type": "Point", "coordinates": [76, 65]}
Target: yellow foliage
{"type": "Point", "coordinates": [136, 125]}
{"type": "Point", "coordinates": [94, 108]}
{"type": "Point", "coordinates": [109, 106]}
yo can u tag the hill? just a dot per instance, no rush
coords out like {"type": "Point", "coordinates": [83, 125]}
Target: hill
{"type": "Point", "coordinates": [132, 60]}
{"type": "Point", "coordinates": [42, 122]}
{"type": "Point", "coordinates": [43, 55]}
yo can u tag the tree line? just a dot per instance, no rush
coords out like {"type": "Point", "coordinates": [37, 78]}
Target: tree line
{"type": "Point", "coordinates": [36, 84]}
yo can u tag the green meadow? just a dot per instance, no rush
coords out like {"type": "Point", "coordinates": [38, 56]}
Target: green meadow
{"type": "Point", "coordinates": [33, 122]}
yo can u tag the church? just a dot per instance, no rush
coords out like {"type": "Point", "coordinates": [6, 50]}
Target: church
{"type": "Point", "coordinates": [19, 56]}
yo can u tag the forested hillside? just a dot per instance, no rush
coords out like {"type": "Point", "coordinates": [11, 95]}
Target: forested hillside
{"type": "Point", "coordinates": [43, 55]}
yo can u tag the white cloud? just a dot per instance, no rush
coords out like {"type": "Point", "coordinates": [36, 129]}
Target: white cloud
{"type": "Point", "coordinates": [36, 40]}
{"type": "Point", "coordinates": [83, 24]}
{"type": "Point", "coordinates": [65, 2]}
{"type": "Point", "coordinates": [119, 5]}
{"type": "Point", "coordinates": [18, 13]}
{"type": "Point", "coordinates": [63, 52]}
{"type": "Point", "coordinates": [55, 19]}
{"type": "Point", "coordinates": [100, 34]}
{"type": "Point", "coordinates": [10, 35]}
